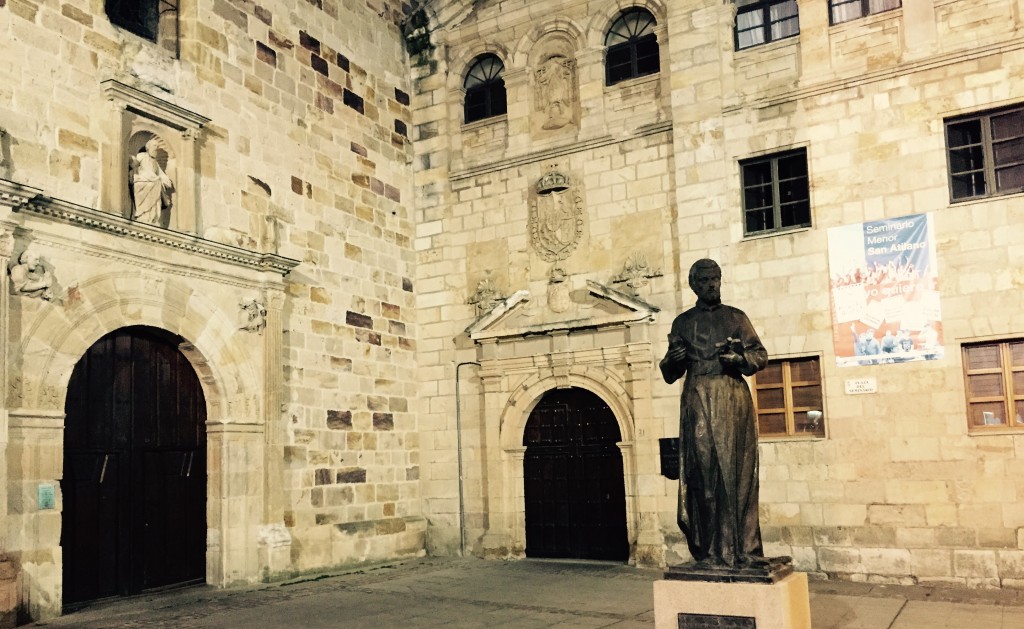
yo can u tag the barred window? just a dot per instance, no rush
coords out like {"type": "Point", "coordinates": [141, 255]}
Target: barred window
{"type": "Point", "coordinates": [776, 193]}
{"type": "Point", "coordinates": [986, 154]}
{"type": "Point", "coordinates": [762, 21]}
{"type": "Point", "coordinates": [846, 10]}
{"type": "Point", "coordinates": [787, 399]}
{"type": "Point", "coordinates": [485, 89]}
{"type": "Point", "coordinates": [994, 378]}
{"type": "Point", "coordinates": [155, 20]}
{"type": "Point", "coordinates": [632, 47]}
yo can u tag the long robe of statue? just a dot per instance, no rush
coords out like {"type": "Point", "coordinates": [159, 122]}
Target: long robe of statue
{"type": "Point", "coordinates": [714, 345]}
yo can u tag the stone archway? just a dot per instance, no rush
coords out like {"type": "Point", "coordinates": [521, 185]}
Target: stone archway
{"type": "Point", "coordinates": [508, 508]}
{"type": "Point", "coordinates": [227, 365]}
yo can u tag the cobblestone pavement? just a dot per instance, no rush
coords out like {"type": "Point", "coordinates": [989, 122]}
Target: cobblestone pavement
{"type": "Point", "coordinates": [475, 594]}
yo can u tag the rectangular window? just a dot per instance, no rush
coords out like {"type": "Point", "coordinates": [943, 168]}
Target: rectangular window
{"type": "Point", "coordinates": [762, 21]}
{"type": "Point", "coordinates": [776, 193]}
{"type": "Point", "coordinates": [787, 399]}
{"type": "Point", "coordinates": [986, 154]}
{"type": "Point", "coordinates": [994, 378]}
{"type": "Point", "coordinates": [846, 10]}
{"type": "Point", "coordinates": [155, 20]}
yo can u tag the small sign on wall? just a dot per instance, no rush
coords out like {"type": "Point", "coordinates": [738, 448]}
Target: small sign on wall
{"type": "Point", "coordinates": [858, 386]}
{"type": "Point", "coordinates": [46, 496]}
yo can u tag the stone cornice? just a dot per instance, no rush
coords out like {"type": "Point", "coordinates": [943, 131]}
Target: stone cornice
{"type": "Point", "coordinates": [811, 90]}
{"type": "Point", "coordinates": [16, 194]}
{"type": "Point", "coordinates": [96, 220]}
{"type": "Point", "coordinates": [153, 106]}
{"type": "Point", "coordinates": [559, 151]}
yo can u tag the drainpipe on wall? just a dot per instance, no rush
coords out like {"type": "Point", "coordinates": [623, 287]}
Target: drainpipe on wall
{"type": "Point", "coordinates": [458, 437]}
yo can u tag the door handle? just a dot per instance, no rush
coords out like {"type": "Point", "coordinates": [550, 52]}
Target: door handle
{"type": "Point", "coordinates": [103, 470]}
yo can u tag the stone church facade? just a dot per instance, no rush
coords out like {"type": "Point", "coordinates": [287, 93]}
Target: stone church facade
{"type": "Point", "coordinates": [405, 250]}
{"type": "Point", "coordinates": [902, 483]}
{"type": "Point", "coordinates": [278, 259]}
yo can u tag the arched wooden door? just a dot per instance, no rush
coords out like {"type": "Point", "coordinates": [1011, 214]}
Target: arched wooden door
{"type": "Point", "coordinates": [134, 483]}
{"type": "Point", "coordinates": [573, 479]}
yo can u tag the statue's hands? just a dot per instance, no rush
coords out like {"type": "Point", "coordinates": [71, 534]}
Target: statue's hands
{"type": "Point", "coordinates": [730, 352]}
{"type": "Point", "coordinates": [676, 349]}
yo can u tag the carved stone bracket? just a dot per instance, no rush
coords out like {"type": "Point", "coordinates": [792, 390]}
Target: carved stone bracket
{"type": "Point", "coordinates": [254, 314]}
{"type": "Point", "coordinates": [32, 276]}
{"type": "Point", "coordinates": [635, 273]}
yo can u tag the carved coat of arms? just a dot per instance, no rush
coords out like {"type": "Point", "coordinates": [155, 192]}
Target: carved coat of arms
{"type": "Point", "coordinates": [556, 218]}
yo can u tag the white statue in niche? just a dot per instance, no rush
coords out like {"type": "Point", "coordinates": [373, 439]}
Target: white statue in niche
{"type": "Point", "coordinates": [555, 80]}
{"type": "Point", "coordinates": [150, 186]}
{"type": "Point", "coordinates": [30, 278]}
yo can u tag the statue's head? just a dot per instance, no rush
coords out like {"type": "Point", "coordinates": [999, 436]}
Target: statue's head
{"type": "Point", "coordinates": [30, 259]}
{"type": "Point", "coordinates": [706, 281]}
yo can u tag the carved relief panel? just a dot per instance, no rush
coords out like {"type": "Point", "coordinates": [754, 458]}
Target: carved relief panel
{"type": "Point", "coordinates": [555, 92]}
{"type": "Point", "coordinates": [555, 83]}
{"type": "Point", "coordinates": [556, 217]}
{"type": "Point", "coordinates": [556, 229]}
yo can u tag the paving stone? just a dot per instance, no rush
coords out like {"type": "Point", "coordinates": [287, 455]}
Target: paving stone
{"type": "Point", "coordinates": [474, 594]}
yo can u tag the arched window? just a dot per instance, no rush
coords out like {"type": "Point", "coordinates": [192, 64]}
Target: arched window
{"type": "Point", "coordinates": [632, 46]}
{"type": "Point", "coordinates": [485, 89]}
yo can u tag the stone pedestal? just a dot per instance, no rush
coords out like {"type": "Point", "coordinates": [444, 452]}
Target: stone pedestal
{"type": "Point", "coordinates": [781, 605]}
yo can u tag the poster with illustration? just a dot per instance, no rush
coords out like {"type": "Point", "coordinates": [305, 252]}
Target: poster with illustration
{"type": "Point", "coordinates": [884, 289]}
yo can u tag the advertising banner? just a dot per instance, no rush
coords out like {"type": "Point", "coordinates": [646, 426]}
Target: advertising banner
{"type": "Point", "coordinates": [884, 287]}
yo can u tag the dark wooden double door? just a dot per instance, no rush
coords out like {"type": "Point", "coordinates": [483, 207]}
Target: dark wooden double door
{"type": "Point", "coordinates": [573, 479]}
{"type": "Point", "coordinates": [134, 483]}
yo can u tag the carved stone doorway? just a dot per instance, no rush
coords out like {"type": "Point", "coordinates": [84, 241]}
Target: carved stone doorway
{"type": "Point", "coordinates": [134, 484]}
{"type": "Point", "coordinates": [573, 479]}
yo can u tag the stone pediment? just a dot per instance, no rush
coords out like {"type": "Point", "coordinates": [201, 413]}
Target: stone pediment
{"type": "Point", "coordinates": [595, 307]}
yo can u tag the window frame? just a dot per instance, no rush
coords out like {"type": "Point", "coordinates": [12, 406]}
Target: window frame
{"type": "Point", "coordinates": [764, 6]}
{"type": "Point", "coordinates": [128, 15]}
{"type": "Point", "coordinates": [632, 45]}
{"type": "Point", "coordinates": [777, 204]}
{"type": "Point", "coordinates": [1010, 398]}
{"type": "Point", "coordinates": [790, 410]}
{"type": "Point", "coordinates": [865, 10]}
{"type": "Point", "coordinates": [989, 167]}
{"type": "Point", "coordinates": [489, 87]}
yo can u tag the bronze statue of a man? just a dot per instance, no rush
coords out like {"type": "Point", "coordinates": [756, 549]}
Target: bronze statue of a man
{"type": "Point", "coordinates": [714, 345]}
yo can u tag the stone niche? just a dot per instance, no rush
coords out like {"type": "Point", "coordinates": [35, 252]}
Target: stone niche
{"type": "Point", "coordinates": [151, 159]}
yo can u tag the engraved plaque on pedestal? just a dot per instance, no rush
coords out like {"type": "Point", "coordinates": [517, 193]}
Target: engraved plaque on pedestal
{"type": "Point", "coordinates": [714, 621]}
